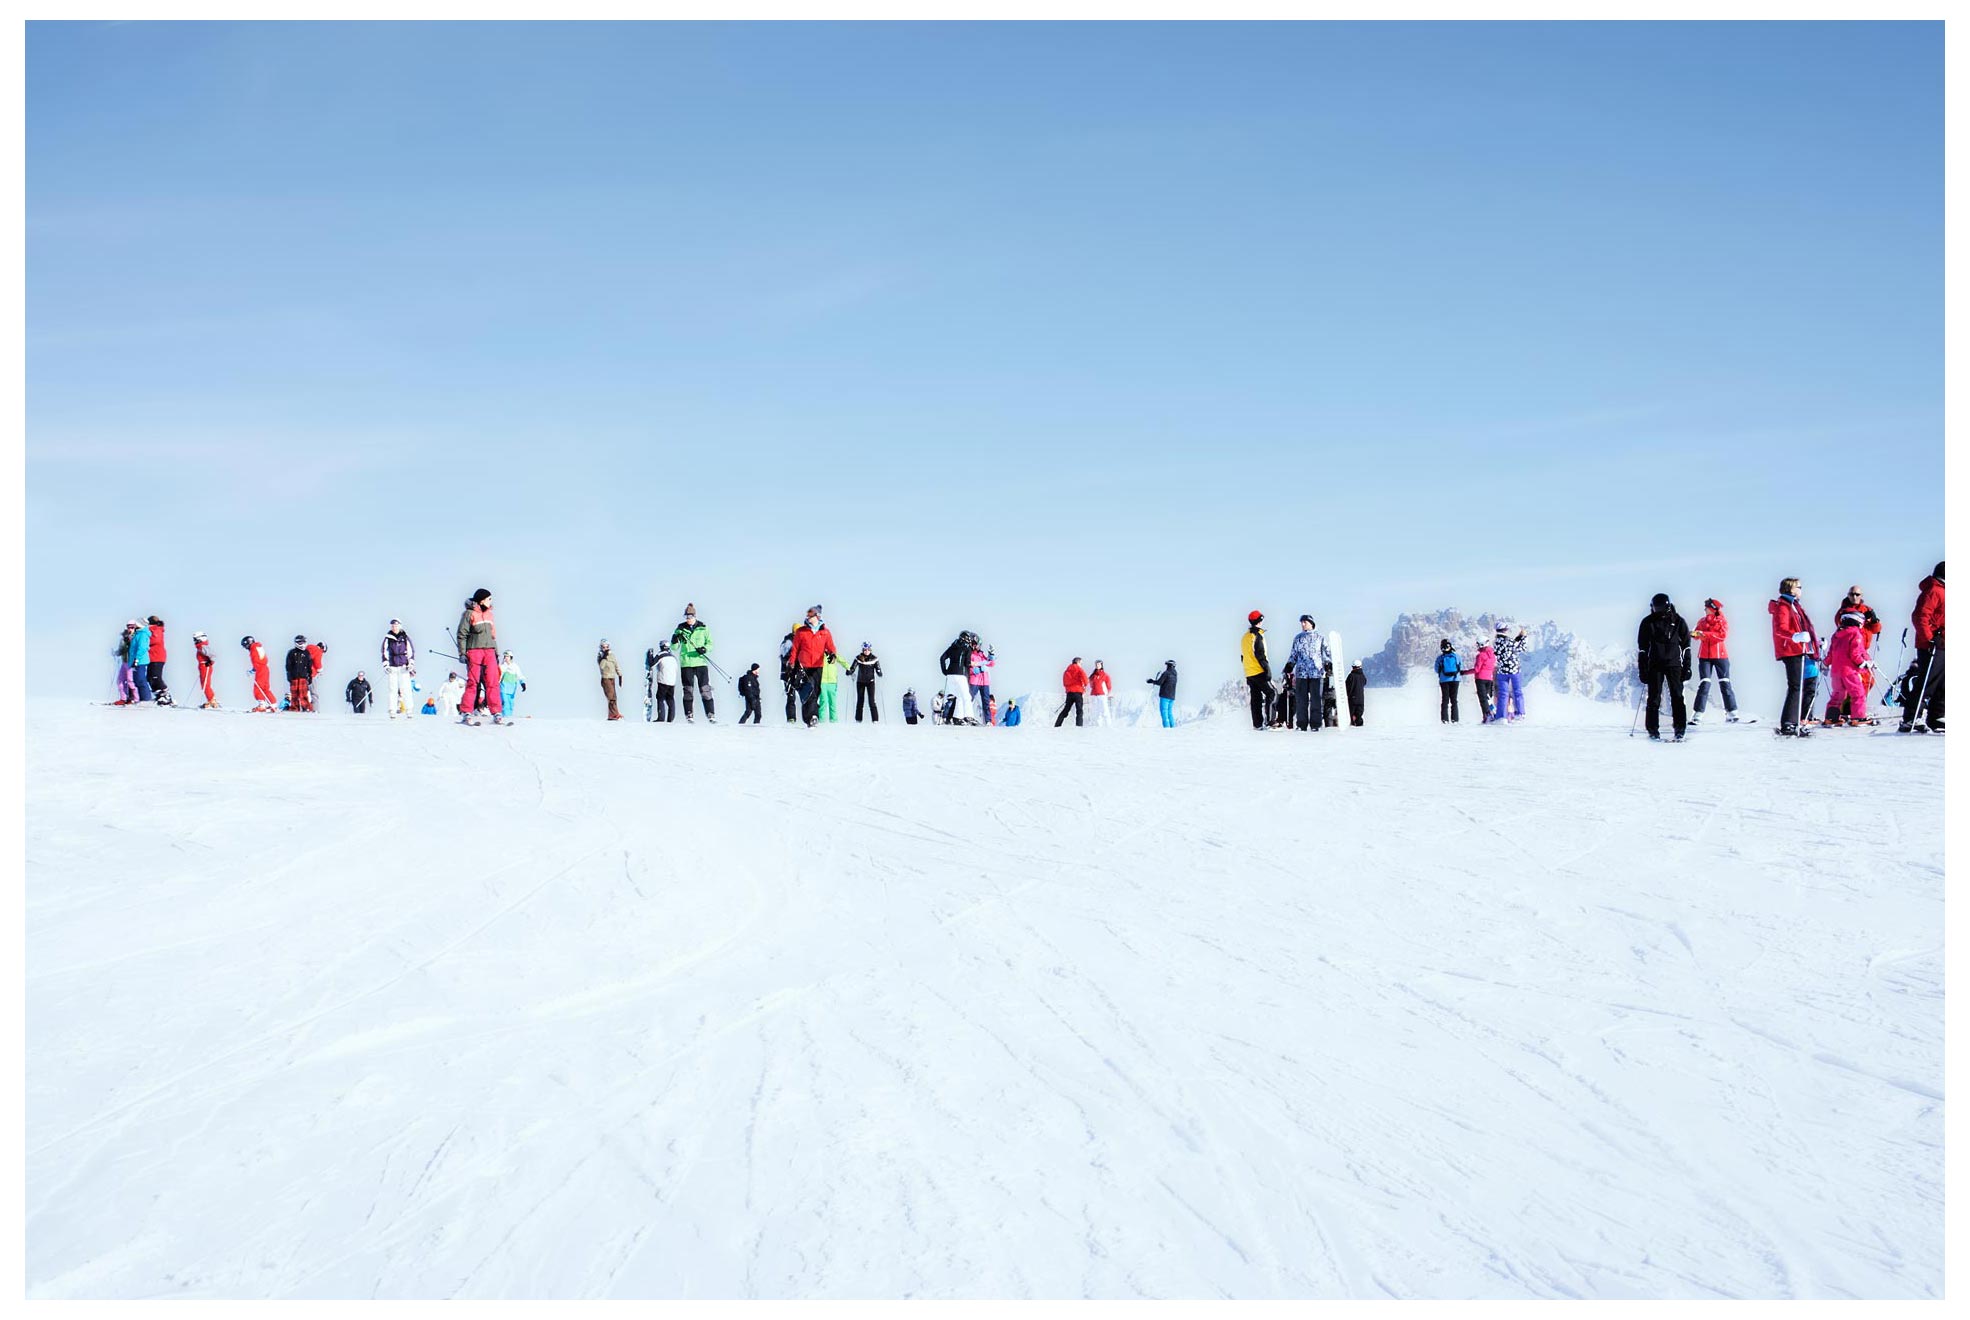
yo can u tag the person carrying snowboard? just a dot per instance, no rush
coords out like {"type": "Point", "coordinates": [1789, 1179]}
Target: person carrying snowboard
{"type": "Point", "coordinates": [1793, 646]}
{"type": "Point", "coordinates": [1357, 688]}
{"type": "Point", "coordinates": [1308, 658]}
{"type": "Point", "coordinates": [300, 674]}
{"type": "Point", "coordinates": [511, 682]}
{"type": "Point", "coordinates": [263, 679]}
{"type": "Point", "coordinates": [692, 642]}
{"type": "Point", "coordinates": [749, 694]}
{"type": "Point", "coordinates": [1258, 670]}
{"type": "Point", "coordinates": [1448, 670]}
{"type": "Point", "coordinates": [1923, 686]}
{"type": "Point", "coordinates": [1075, 680]}
{"type": "Point", "coordinates": [1662, 657]}
{"type": "Point", "coordinates": [202, 653]}
{"type": "Point", "coordinates": [1511, 691]}
{"type": "Point", "coordinates": [1099, 686]}
{"type": "Point", "coordinates": [866, 669]}
{"type": "Point", "coordinates": [1484, 677]}
{"type": "Point", "coordinates": [611, 673]}
{"type": "Point", "coordinates": [1165, 684]}
{"type": "Point", "coordinates": [1847, 662]}
{"type": "Point", "coordinates": [399, 658]}
{"type": "Point", "coordinates": [357, 694]}
{"type": "Point", "coordinates": [1713, 661]}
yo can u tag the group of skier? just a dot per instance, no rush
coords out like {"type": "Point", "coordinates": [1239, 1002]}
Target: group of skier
{"type": "Point", "coordinates": [1303, 697]}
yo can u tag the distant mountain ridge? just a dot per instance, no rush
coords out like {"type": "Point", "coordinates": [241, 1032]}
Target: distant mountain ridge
{"type": "Point", "coordinates": [1561, 657]}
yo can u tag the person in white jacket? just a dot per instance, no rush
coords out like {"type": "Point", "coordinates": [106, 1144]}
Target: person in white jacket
{"type": "Point", "coordinates": [450, 695]}
{"type": "Point", "coordinates": [666, 712]}
{"type": "Point", "coordinates": [511, 682]}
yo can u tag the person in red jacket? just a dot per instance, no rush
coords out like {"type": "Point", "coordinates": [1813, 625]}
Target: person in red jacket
{"type": "Point", "coordinates": [155, 675]}
{"type": "Point", "coordinates": [1924, 681]}
{"type": "Point", "coordinates": [1852, 705]}
{"type": "Point", "coordinates": [263, 682]}
{"type": "Point", "coordinates": [1713, 661]}
{"type": "Point", "coordinates": [1099, 686]}
{"type": "Point", "coordinates": [203, 646]}
{"type": "Point", "coordinates": [812, 643]}
{"type": "Point", "coordinates": [316, 653]}
{"type": "Point", "coordinates": [1793, 643]}
{"type": "Point", "coordinates": [1075, 680]}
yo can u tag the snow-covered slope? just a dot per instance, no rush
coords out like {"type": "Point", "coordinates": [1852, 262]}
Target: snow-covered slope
{"type": "Point", "coordinates": [320, 1006]}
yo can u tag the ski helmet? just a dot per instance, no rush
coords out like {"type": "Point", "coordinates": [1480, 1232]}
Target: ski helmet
{"type": "Point", "coordinates": [299, 640]}
{"type": "Point", "coordinates": [1254, 617]}
{"type": "Point", "coordinates": [246, 641]}
{"type": "Point", "coordinates": [200, 637]}
{"type": "Point", "coordinates": [1712, 603]}
{"type": "Point", "coordinates": [1659, 599]}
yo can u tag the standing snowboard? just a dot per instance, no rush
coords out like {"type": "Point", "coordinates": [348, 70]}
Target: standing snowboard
{"type": "Point", "coordinates": [1331, 701]}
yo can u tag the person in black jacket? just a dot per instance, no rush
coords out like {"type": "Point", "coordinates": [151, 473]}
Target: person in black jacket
{"type": "Point", "coordinates": [300, 675]}
{"type": "Point", "coordinates": [1165, 684]}
{"type": "Point", "coordinates": [1662, 655]}
{"type": "Point", "coordinates": [749, 693]}
{"type": "Point", "coordinates": [1357, 686]}
{"type": "Point", "coordinates": [357, 694]}
{"type": "Point", "coordinates": [866, 668]}
{"type": "Point", "coordinates": [955, 665]}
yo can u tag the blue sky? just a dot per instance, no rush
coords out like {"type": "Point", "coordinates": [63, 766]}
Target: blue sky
{"type": "Point", "coordinates": [1090, 337]}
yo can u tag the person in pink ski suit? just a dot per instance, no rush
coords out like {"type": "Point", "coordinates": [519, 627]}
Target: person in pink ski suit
{"type": "Point", "coordinates": [1847, 658]}
{"type": "Point", "coordinates": [980, 670]}
{"type": "Point", "coordinates": [1484, 670]}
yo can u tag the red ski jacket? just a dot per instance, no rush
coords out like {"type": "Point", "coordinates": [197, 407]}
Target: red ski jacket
{"type": "Point", "coordinates": [314, 658]}
{"type": "Point", "coordinates": [1928, 616]}
{"type": "Point", "coordinates": [810, 646]}
{"type": "Point", "coordinates": [204, 654]}
{"type": "Point", "coordinates": [1787, 619]}
{"type": "Point", "coordinates": [156, 643]}
{"type": "Point", "coordinates": [1710, 631]}
{"type": "Point", "coordinates": [1074, 679]}
{"type": "Point", "coordinates": [1099, 683]}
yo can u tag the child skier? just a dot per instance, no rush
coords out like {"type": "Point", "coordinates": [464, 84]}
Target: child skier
{"type": "Point", "coordinates": [830, 679]}
{"type": "Point", "coordinates": [263, 681]}
{"type": "Point", "coordinates": [1848, 662]}
{"type": "Point", "coordinates": [910, 711]}
{"type": "Point", "coordinates": [202, 646]}
{"type": "Point", "coordinates": [511, 682]}
{"type": "Point", "coordinates": [126, 683]}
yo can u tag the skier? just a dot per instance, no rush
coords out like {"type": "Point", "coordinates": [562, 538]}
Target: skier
{"type": "Point", "coordinates": [955, 665]}
{"type": "Point", "coordinates": [1099, 686]}
{"type": "Point", "coordinates": [1713, 660]}
{"type": "Point", "coordinates": [1923, 685]}
{"type": "Point", "coordinates": [1357, 687]}
{"type": "Point", "coordinates": [692, 642]}
{"type": "Point", "coordinates": [1448, 670]}
{"type": "Point", "coordinates": [317, 658]}
{"type": "Point", "coordinates": [1165, 684]}
{"type": "Point", "coordinates": [450, 695]}
{"type": "Point", "coordinates": [138, 656]}
{"type": "Point", "coordinates": [1510, 689]}
{"type": "Point", "coordinates": [512, 682]}
{"type": "Point", "coordinates": [477, 644]}
{"type": "Point", "coordinates": [399, 658]}
{"type": "Point", "coordinates": [358, 693]}
{"type": "Point", "coordinates": [263, 681]}
{"type": "Point", "coordinates": [202, 651]}
{"type": "Point", "coordinates": [978, 673]}
{"type": "Point", "coordinates": [749, 693]}
{"type": "Point", "coordinates": [1258, 670]}
{"type": "Point", "coordinates": [831, 670]}
{"type": "Point", "coordinates": [1309, 659]}
{"type": "Point", "coordinates": [1662, 658]}
{"type": "Point", "coordinates": [126, 683]}
{"type": "Point", "coordinates": [1794, 646]}
{"type": "Point", "coordinates": [866, 668]}
{"type": "Point", "coordinates": [1075, 680]}
{"type": "Point", "coordinates": [1012, 715]}
{"type": "Point", "coordinates": [812, 644]}
{"type": "Point", "coordinates": [605, 661]}
{"type": "Point", "coordinates": [666, 674]}
{"type": "Point", "coordinates": [1853, 706]}
{"type": "Point", "coordinates": [1847, 661]}
{"type": "Point", "coordinates": [910, 711]}
{"type": "Point", "coordinates": [1484, 677]}
{"type": "Point", "coordinates": [300, 674]}
{"type": "Point", "coordinates": [155, 672]}
{"type": "Point", "coordinates": [430, 706]}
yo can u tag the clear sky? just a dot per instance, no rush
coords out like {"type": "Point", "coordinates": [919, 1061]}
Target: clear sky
{"type": "Point", "coordinates": [1088, 337]}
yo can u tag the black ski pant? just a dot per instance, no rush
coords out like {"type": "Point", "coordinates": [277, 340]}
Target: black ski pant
{"type": "Point", "coordinates": [1446, 701]}
{"type": "Point", "coordinates": [1678, 713]}
{"type": "Point", "coordinates": [1306, 714]}
{"type": "Point", "coordinates": [1925, 676]}
{"type": "Point", "coordinates": [792, 684]}
{"type": "Point", "coordinates": [666, 711]}
{"type": "Point", "coordinates": [1282, 709]}
{"type": "Point", "coordinates": [1073, 703]}
{"type": "Point", "coordinates": [751, 712]}
{"type": "Point", "coordinates": [866, 692]}
{"type": "Point", "coordinates": [1261, 688]}
{"type": "Point", "coordinates": [154, 673]}
{"type": "Point", "coordinates": [810, 695]}
{"type": "Point", "coordinates": [1721, 671]}
{"type": "Point", "coordinates": [1795, 676]}
{"type": "Point", "coordinates": [1485, 687]}
{"type": "Point", "coordinates": [701, 675]}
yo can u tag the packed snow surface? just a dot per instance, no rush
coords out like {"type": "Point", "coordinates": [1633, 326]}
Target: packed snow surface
{"type": "Point", "coordinates": [328, 1006]}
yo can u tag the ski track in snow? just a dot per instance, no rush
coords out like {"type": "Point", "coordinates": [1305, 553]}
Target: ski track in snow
{"type": "Point", "coordinates": [340, 1008]}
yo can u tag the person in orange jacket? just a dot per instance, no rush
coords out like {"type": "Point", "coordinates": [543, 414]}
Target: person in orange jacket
{"type": "Point", "coordinates": [1099, 685]}
{"type": "Point", "coordinates": [1075, 680]}
{"type": "Point", "coordinates": [202, 645]}
{"type": "Point", "coordinates": [263, 681]}
{"type": "Point", "coordinates": [1713, 661]}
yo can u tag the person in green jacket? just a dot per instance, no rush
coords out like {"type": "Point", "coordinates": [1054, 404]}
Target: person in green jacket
{"type": "Point", "coordinates": [692, 642]}
{"type": "Point", "coordinates": [831, 669]}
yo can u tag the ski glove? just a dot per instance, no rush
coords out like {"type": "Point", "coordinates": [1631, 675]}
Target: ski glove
{"type": "Point", "coordinates": [1801, 637]}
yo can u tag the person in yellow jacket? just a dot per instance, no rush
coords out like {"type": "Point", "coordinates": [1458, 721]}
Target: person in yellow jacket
{"type": "Point", "coordinates": [1258, 671]}
{"type": "Point", "coordinates": [831, 670]}
{"type": "Point", "coordinates": [605, 661]}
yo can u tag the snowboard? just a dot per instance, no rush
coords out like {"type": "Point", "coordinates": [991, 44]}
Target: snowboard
{"type": "Point", "coordinates": [1336, 684]}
